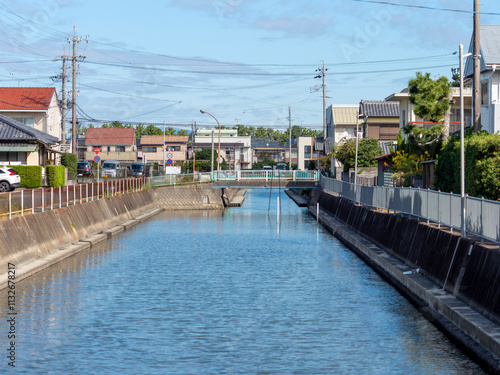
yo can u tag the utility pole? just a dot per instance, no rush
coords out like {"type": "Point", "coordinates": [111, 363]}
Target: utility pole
{"type": "Point", "coordinates": [62, 103]}
{"type": "Point", "coordinates": [322, 74]}
{"type": "Point", "coordinates": [477, 69]}
{"type": "Point", "coordinates": [290, 139]}
{"type": "Point", "coordinates": [74, 136]}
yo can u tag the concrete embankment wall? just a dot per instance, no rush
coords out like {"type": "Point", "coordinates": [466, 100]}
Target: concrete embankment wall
{"type": "Point", "coordinates": [34, 242]}
{"type": "Point", "coordinates": [419, 259]}
{"type": "Point", "coordinates": [471, 270]}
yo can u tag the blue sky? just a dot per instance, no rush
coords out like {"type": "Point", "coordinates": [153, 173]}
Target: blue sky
{"type": "Point", "coordinates": [243, 61]}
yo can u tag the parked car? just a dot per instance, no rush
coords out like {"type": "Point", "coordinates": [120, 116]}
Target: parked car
{"type": "Point", "coordinates": [282, 167]}
{"type": "Point", "coordinates": [9, 179]}
{"type": "Point", "coordinates": [141, 170]}
{"type": "Point", "coordinates": [83, 168]}
{"type": "Point", "coordinates": [110, 168]}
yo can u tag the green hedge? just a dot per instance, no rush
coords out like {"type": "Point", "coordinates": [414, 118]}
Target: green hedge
{"type": "Point", "coordinates": [70, 161]}
{"type": "Point", "coordinates": [31, 175]}
{"type": "Point", "coordinates": [56, 175]}
{"type": "Point", "coordinates": [482, 166]}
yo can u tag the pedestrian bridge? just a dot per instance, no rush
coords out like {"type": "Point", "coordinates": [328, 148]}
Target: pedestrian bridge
{"type": "Point", "coordinates": [249, 179]}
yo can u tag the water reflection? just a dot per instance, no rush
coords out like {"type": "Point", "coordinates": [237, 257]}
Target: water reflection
{"type": "Point", "coordinates": [222, 292]}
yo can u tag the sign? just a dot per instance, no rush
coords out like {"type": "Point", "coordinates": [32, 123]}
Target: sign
{"type": "Point", "coordinates": [169, 155]}
{"type": "Point", "coordinates": [97, 150]}
{"type": "Point", "coordinates": [169, 161]}
{"type": "Point", "coordinates": [172, 170]}
{"type": "Point", "coordinates": [97, 158]}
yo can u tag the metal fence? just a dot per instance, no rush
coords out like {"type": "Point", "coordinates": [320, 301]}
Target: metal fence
{"type": "Point", "coordinates": [265, 175]}
{"type": "Point", "coordinates": [482, 217]}
{"type": "Point", "coordinates": [180, 179]}
{"type": "Point", "coordinates": [28, 201]}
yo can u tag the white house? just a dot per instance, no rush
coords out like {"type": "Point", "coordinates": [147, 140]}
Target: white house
{"type": "Point", "coordinates": [490, 76]}
{"type": "Point", "coordinates": [407, 115]}
{"type": "Point", "coordinates": [37, 107]}
{"type": "Point", "coordinates": [235, 150]}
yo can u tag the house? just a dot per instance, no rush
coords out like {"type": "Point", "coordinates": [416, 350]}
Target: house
{"type": "Point", "coordinates": [36, 107]}
{"type": "Point", "coordinates": [379, 119]}
{"type": "Point", "coordinates": [175, 148]}
{"type": "Point", "coordinates": [114, 143]}
{"type": "Point", "coordinates": [26, 145]}
{"type": "Point", "coordinates": [235, 150]}
{"type": "Point", "coordinates": [264, 150]}
{"type": "Point", "coordinates": [490, 76]}
{"type": "Point", "coordinates": [341, 122]}
{"type": "Point", "coordinates": [306, 153]}
{"type": "Point", "coordinates": [293, 150]}
{"type": "Point", "coordinates": [407, 115]}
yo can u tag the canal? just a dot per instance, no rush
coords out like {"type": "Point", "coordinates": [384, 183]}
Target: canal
{"type": "Point", "coordinates": [222, 293]}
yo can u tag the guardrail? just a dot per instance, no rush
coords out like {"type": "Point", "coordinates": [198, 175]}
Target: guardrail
{"type": "Point", "coordinates": [482, 216]}
{"type": "Point", "coordinates": [180, 179]}
{"type": "Point", "coordinates": [28, 201]}
{"type": "Point", "coordinates": [266, 175]}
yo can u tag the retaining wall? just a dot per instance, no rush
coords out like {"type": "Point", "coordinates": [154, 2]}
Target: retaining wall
{"type": "Point", "coordinates": [33, 242]}
{"type": "Point", "coordinates": [428, 262]}
{"type": "Point", "coordinates": [470, 269]}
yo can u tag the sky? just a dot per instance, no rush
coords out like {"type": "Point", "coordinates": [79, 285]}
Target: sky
{"type": "Point", "coordinates": [245, 62]}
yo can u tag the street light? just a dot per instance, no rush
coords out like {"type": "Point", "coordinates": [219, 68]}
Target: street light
{"type": "Point", "coordinates": [218, 148]}
{"type": "Point", "coordinates": [462, 138]}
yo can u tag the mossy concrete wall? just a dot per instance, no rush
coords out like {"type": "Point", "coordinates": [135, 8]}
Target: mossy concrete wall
{"type": "Point", "coordinates": [453, 281]}
{"type": "Point", "coordinates": [470, 269]}
{"type": "Point", "coordinates": [29, 240]}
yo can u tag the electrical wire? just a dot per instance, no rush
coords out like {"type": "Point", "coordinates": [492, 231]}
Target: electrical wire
{"type": "Point", "coordinates": [426, 7]}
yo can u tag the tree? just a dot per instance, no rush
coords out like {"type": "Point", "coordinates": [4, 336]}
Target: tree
{"type": "Point", "coordinates": [482, 165]}
{"type": "Point", "coordinates": [431, 99]}
{"type": "Point", "coordinates": [368, 148]}
{"type": "Point", "coordinates": [152, 130]}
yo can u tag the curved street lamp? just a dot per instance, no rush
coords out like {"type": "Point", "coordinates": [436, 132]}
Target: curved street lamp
{"type": "Point", "coordinates": [218, 148]}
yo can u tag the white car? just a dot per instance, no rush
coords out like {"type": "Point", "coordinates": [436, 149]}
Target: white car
{"type": "Point", "coordinates": [9, 179]}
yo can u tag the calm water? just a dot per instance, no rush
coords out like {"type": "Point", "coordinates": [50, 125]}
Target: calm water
{"type": "Point", "coordinates": [222, 293]}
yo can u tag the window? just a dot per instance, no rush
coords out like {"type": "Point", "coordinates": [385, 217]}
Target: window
{"type": "Point", "coordinates": [307, 151]}
{"type": "Point", "coordinates": [120, 148]}
{"type": "Point", "coordinates": [149, 149]}
{"type": "Point", "coordinates": [29, 121]}
{"type": "Point", "coordinates": [109, 149]}
{"type": "Point", "coordinates": [484, 94]}
{"type": "Point", "coordinates": [173, 148]}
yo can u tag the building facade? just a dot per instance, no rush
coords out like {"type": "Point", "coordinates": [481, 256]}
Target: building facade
{"type": "Point", "coordinates": [115, 144]}
{"type": "Point", "coordinates": [158, 148]}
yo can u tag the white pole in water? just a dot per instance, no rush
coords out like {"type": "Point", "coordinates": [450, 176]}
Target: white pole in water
{"type": "Point", "coordinates": [317, 213]}
{"type": "Point", "coordinates": [278, 211]}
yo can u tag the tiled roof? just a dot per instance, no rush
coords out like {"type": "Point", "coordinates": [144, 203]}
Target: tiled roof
{"type": "Point", "coordinates": [12, 130]}
{"type": "Point", "coordinates": [26, 98]}
{"type": "Point", "coordinates": [378, 108]}
{"type": "Point", "coordinates": [264, 143]}
{"type": "Point", "coordinates": [110, 136]}
{"type": "Point", "coordinates": [158, 139]}
{"type": "Point", "coordinates": [489, 35]}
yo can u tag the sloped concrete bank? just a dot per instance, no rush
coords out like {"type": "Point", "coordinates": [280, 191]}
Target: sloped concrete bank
{"type": "Point", "coordinates": [454, 282]}
{"type": "Point", "coordinates": [35, 242]}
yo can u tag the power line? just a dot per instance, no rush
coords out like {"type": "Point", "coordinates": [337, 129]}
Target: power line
{"type": "Point", "coordinates": [426, 7]}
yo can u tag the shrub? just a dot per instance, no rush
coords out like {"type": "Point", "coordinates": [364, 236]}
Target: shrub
{"type": "Point", "coordinates": [31, 175]}
{"type": "Point", "coordinates": [70, 161]}
{"type": "Point", "coordinates": [482, 165]}
{"type": "Point", "coordinates": [56, 175]}
{"type": "Point", "coordinates": [368, 148]}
